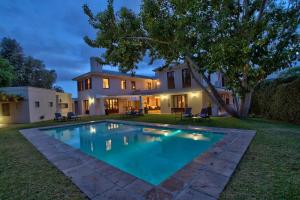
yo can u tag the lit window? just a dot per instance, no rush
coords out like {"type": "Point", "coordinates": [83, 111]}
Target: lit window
{"type": "Point", "coordinates": [88, 83]}
{"type": "Point", "coordinates": [133, 85]}
{"type": "Point", "coordinates": [123, 84]}
{"type": "Point", "coordinates": [5, 109]}
{"type": "Point", "coordinates": [149, 85]}
{"type": "Point", "coordinates": [105, 83]}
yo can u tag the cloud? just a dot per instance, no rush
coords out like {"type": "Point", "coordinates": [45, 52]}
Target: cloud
{"type": "Point", "coordinates": [53, 31]}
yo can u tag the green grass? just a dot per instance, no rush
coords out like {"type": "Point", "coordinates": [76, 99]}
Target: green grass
{"type": "Point", "coordinates": [269, 170]}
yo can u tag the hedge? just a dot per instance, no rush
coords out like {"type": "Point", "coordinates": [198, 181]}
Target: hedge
{"type": "Point", "coordinates": [278, 99]}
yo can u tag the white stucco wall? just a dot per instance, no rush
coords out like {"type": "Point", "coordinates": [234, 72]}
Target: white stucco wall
{"type": "Point", "coordinates": [26, 110]}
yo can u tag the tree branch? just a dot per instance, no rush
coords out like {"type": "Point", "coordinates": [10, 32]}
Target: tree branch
{"type": "Point", "coordinates": [149, 39]}
{"type": "Point", "coordinates": [213, 93]}
{"type": "Point", "coordinates": [261, 11]}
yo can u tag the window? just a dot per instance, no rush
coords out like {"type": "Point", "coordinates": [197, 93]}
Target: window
{"type": "Point", "coordinates": [186, 78]}
{"type": "Point", "coordinates": [50, 104]}
{"type": "Point", "coordinates": [179, 101]}
{"type": "Point", "coordinates": [5, 109]}
{"type": "Point", "coordinates": [112, 105]}
{"type": "Point", "coordinates": [88, 83]}
{"type": "Point", "coordinates": [64, 105]}
{"type": "Point", "coordinates": [209, 78]}
{"type": "Point", "coordinates": [133, 85]}
{"type": "Point", "coordinates": [171, 83]}
{"type": "Point", "coordinates": [79, 85]}
{"type": "Point", "coordinates": [105, 83]}
{"type": "Point", "coordinates": [123, 84]}
{"type": "Point", "coordinates": [86, 106]}
{"type": "Point", "coordinates": [223, 80]}
{"type": "Point", "coordinates": [149, 85]}
{"type": "Point", "coordinates": [37, 104]}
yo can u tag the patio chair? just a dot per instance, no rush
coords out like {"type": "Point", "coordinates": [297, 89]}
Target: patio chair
{"type": "Point", "coordinates": [72, 116]}
{"type": "Point", "coordinates": [204, 114]}
{"type": "Point", "coordinates": [58, 117]}
{"type": "Point", "coordinates": [187, 113]}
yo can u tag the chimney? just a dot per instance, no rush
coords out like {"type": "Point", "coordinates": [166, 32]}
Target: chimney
{"type": "Point", "coordinates": [95, 66]}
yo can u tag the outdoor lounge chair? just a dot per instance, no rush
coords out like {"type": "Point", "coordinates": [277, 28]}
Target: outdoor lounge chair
{"type": "Point", "coordinates": [204, 114]}
{"type": "Point", "coordinates": [58, 117]}
{"type": "Point", "coordinates": [187, 113]}
{"type": "Point", "coordinates": [72, 116]}
{"type": "Point", "coordinates": [139, 113]}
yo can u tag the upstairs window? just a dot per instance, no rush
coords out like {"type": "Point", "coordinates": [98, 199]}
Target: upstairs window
{"type": "Point", "coordinates": [123, 84]}
{"type": "Point", "coordinates": [79, 85]}
{"type": "Point", "coordinates": [88, 83]}
{"type": "Point", "coordinates": [5, 109]}
{"type": "Point", "coordinates": [133, 87]}
{"type": "Point", "coordinates": [149, 85]}
{"type": "Point", "coordinates": [105, 83]}
{"type": "Point", "coordinates": [186, 78]}
{"type": "Point", "coordinates": [209, 78]}
{"type": "Point", "coordinates": [171, 83]}
{"type": "Point", "coordinates": [50, 104]}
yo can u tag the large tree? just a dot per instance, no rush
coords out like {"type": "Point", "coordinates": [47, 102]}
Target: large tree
{"type": "Point", "coordinates": [245, 40]}
{"type": "Point", "coordinates": [28, 71]}
{"type": "Point", "coordinates": [6, 73]}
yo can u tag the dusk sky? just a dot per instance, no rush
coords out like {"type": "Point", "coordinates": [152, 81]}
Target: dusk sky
{"type": "Point", "coordinates": [53, 31]}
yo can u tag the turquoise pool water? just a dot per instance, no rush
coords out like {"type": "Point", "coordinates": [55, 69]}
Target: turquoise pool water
{"type": "Point", "coordinates": [149, 153]}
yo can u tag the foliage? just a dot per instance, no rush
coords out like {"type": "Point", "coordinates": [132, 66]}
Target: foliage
{"type": "Point", "coordinates": [268, 170]}
{"type": "Point", "coordinates": [245, 40]}
{"type": "Point", "coordinates": [278, 99]}
{"type": "Point", "coordinates": [291, 72]}
{"type": "Point", "coordinates": [58, 89]}
{"type": "Point", "coordinates": [6, 73]}
{"type": "Point", "coordinates": [28, 70]}
{"type": "Point", "coordinates": [10, 97]}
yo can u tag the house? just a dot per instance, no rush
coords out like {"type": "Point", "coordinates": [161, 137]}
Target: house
{"type": "Point", "coordinates": [103, 92]}
{"type": "Point", "coordinates": [37, 104]}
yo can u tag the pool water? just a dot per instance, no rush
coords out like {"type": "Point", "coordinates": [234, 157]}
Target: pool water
{"type": "Point", "coordinates": [149, 153]}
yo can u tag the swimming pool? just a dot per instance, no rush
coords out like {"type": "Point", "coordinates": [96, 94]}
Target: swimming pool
{"type": "Point", "coordinates": [150, 153]}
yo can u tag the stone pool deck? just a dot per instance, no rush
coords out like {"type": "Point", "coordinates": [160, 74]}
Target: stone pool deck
{"type": "Point", "coordinates": [204, 177]}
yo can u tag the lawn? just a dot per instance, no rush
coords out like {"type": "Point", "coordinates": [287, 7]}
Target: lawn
{"type": "Point", "coordinates": [269, 170]}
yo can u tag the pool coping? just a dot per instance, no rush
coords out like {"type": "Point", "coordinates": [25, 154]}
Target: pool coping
{"type": "Point", "coordinates": [205, 177]}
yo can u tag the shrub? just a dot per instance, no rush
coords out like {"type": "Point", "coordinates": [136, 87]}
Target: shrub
{"type": "Point", "coordinates": [278, 99]}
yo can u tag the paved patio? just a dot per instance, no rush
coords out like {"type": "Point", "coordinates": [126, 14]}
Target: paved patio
{"type": "Point", "coordinates": [203, 178]}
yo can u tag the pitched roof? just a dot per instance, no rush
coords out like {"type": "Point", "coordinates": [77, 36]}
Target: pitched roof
{"type": "Point", "coordinates": [113, 73]}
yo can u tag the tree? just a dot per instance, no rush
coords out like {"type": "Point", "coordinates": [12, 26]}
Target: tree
{"type": "Point", "coordinates": [244, 40]}
{"type": "Point", "coordinates": [37, 75]}
{"type": "Point", "coordinates": [6, 73]}
{"type": "Point", "coordinates": [11, 50]}
{"type": "Point", "coordinates": [58, 89]}
{"type": "Point", "coordinates": [28, 70]}
{"type": "Point", "coordinates": [291, 72]}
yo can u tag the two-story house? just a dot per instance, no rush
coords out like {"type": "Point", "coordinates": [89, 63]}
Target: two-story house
{"type": "Point", "coordinates": [102, 91]}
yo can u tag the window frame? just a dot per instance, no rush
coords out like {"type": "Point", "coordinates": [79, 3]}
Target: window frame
{"type": "Point", "coordinates": [171, 79]}
{"type": "Point", "coordinates": [179, 100]}
{"type": "Point", "coordinates": [133, 85]}
{"type": "Point", "coordinates": [108, 82]}
{"type": "Point", "coordinates": [186, 78]}
{"type": "Point", "coordinates": [37, 104]}
{"type": "Point", "coordinates": [88, 83]}
{"type": "Point", "coordinates": [123, 85]}
{"type": "Point", "coordinates": [5, 111]}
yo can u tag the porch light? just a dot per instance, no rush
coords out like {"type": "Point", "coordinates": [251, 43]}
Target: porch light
{"type": "Point", "coordinates": [91, 100]}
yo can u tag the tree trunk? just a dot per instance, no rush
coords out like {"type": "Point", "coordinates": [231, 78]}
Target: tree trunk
{"type": "Point", "coordinates": [245, 104]}
{"type": "Point", "coordinates": [212, 92]}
